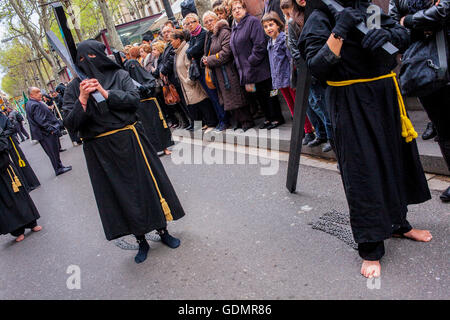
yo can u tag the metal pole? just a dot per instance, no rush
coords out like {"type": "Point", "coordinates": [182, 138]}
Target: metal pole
{"type": "Point", "coordinates": [169, 12]}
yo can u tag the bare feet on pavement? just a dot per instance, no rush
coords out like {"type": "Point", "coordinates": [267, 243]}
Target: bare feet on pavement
{"type": "Point", "coordinates": [37, 229]}
{"type": "Point", "coordinates": [370, 269]}
{"type": "Point", "coordinates": [419, 235]}
{"type": "Point", "coordinates": [20, 238]}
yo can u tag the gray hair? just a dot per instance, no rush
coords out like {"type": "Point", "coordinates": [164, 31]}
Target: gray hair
{"type": "Point", "coordinates": [210, 13]}
{"type": "Point", "coordinates": [192, 16]}
{"type": "Point", "coordinates": [31, 89]}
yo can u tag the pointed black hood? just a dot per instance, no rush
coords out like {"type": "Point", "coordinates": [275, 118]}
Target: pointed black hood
{"type": "Point", "coordinates": [101, 67]}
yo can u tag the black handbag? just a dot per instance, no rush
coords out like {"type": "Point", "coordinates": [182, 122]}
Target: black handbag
{"type": "Point", "coordinates": [194, 71]}
{"type": "Point", "coordinates": [424, 67]}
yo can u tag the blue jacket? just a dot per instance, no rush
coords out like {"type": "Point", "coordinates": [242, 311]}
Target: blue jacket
{"type": "Point", "coordinates": [249, 46]}
{"type": "Point", "coordinates": [280, 62]}
{"type": "Point", "coordinates": [41, 119]}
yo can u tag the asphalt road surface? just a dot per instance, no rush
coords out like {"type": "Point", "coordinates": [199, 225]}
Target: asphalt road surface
{"type": "Point", "coordinates": [244, 236]}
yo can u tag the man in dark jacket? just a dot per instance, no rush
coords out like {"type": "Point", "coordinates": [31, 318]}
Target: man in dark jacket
{"type": "Point", "coordinates": [44, 128]}
{"type": "Point", "coordinates": [17, 120]}
{"type": "Point", "coordinates": [420, 17]}
{"type": "Point", "coordinates": [274, 5]}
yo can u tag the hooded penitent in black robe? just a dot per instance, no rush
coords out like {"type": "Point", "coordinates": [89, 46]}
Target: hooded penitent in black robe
{"type": "Point", "coordinates": [149, 112]}
{"type": "Point", "coordinates": [381, 173]}
{"type": "Point", "coordinates": [125, 192]}
{"type": "Point", "coordinates": [16, 207]}
{"type": "Point", "coordinates": [25, 171]}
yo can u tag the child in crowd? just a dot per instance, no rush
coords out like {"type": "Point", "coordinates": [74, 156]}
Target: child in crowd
{"type": "Point", "coordinates": [279, 57]}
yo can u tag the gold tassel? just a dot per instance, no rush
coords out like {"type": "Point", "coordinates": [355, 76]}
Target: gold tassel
{"type": "Point", "coordinates": [17, 181]}
{"type": "Point", "coordinates": [166, 210]}
{"type": "Point", "coordinates": [15, 187]}
{"type": "Point", "coordinates": [22, 163]}
{"type": "Point", "coordinates": [13, 181]}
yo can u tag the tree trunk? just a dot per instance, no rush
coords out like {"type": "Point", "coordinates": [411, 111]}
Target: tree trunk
{"type": "Point", "coordinates": [110, 26]}
{"type": "Point", "coordinates": [73, 18]}
{"type": "Point", "coordinates": [202, 6]}
{"type": "Point", "coordinates": [32, 34]}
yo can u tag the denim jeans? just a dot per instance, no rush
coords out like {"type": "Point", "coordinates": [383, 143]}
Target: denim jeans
{"type": "Point", "coordinates": [212, 94]}
{"type": "Point", "coordinates": [317, 104]}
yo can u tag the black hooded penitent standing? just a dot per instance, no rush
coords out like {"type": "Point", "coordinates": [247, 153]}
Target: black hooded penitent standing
{"type": "Point", "coordinates": [381, 172]}
{"type": "Point", "coordinates": [127, 176]}
{"type": "Point", "coordinates": [17, 210]}
{"type": "Point", "coordinates": [149, 112]}
{"type": "Point", "coordinates": [24, 170]}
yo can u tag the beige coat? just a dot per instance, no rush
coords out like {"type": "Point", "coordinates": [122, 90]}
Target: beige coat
{"type": "Point", "coordinates": [192, 90]}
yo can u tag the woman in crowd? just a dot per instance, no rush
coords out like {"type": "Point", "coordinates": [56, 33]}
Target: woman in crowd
{"type": "Point", "coordinates": [317, 115]}
{"type": "Point", "coordinates": [169, 111]}
{"type": "Point", "coordinates": [219, 58]}
{"type": "Point", "coordinates": [196, 99]}
{"type": "Point", "coordinates": [249, 47]}
{"type": "Point", "coordinates": [195, 52]}
{"type": "Point", "coordinates": [223, 12]}
{"type": "Point", "coordinates": [166, 72]}
{"type": "Point", "coordinates": [147, 57]}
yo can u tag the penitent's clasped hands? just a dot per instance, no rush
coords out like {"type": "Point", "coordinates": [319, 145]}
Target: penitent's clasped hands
{"type": "Point", "coordinates": [89, 86]}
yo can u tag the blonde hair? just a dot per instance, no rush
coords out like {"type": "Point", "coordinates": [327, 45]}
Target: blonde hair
{"type": "Point", "coordinates": [147, 48]}
{"type": "Point", "coordinates": [159, 45]}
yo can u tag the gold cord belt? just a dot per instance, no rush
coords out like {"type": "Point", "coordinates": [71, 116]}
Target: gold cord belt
{"type": "Point", "coordinates": [21, 162]}
{"type": "Point", "coordinates": [159, 109]}
{"type": "Point", "coordinates": [132, 127]}
{"type": "Point", "coordinates": [408, 131]}
{"type": "Point", "coordinates": [14, 179]}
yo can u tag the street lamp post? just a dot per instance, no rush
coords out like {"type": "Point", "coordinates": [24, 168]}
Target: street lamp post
{"type": "Point", "coordinates": [169, 11]}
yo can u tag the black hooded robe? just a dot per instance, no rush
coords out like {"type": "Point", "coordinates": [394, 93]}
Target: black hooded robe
{"type": "Point", "coordinates": [148, 112]}
{"type": "Point", "coordinates": [126, 195]}
{"type": "Point", "coordinates": [381, 173]}
{"type": "Point", "coordinates": [16, 208]}
{"type": "Point", "coordinates": [26, 173]}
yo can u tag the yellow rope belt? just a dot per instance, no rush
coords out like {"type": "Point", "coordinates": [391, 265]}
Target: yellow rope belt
{"type": "Point", "coordinates": [14, 179]}
{"type": "Point", "coordinates": [21, 162]}
{"type": "Point", "coordinates": [408, 131]}
{"type": "Point", "coordinates": [159, 109]}
{"type": "Point", "coordinates": [132, 127]}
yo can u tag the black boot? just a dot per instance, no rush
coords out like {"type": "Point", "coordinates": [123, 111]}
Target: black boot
{"type": "Point", "coordinates": [143, 249]}
{"type": "Point", "coordinates": [308, 138]}
{"type": "Point", "coordinates": [445, 196]}
{"type": "Point", "coordinates": [168, 240]}
{"type": "Point", "coordinates": [430, 132]}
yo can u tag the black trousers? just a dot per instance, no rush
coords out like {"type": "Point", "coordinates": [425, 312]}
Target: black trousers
{"type": "Point", "coordinates": [270, 105]}
{"type": "Point", "coordinates": [243, 117]}
{"type": "Point", "coordinates": [23, 131]}
{"type": "Point", "coordinates": [437, 106]}
{"type": "Point", "coordinates": [21, 230]}
{"type": "Point", "coordinates": [374, 251]}
{"type": "Point", "coordinates": [51, 146]}
{"type": "Point", "coordinates": [203, 111]}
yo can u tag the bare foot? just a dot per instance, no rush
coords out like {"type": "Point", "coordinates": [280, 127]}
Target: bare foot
{"type": "Point", "coordinates": [419, 235]}
{"type": "Point", "coordinates": [167, 152]}
{"type": "Point", "coordinates": [37, 229]}
{"type": "Point", "coordinates": [370, 269]}
{"type": "Point", "coordinates": [20, 238]}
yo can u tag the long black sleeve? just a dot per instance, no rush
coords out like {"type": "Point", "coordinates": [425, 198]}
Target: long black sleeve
{"type": "Point", "coordinates": [432, 17]}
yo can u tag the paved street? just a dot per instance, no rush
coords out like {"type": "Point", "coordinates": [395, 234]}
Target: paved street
{"type": "Point", "coordinates": [244, 237]}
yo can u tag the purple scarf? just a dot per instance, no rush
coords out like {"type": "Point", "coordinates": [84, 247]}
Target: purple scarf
{"type": "Point", "coordinates": [197, 30]}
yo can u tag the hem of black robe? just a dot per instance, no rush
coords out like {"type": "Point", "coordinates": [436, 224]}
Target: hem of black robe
{"type": "Point", "coordinates": [138, 233]}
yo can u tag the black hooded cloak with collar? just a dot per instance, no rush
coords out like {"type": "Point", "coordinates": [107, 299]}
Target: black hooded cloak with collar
{"type": "Point", "coordinates": [26, 173]}
{"type": "Point", "coordinates": [16, 208]}
{"type": "Point", "coordinates": [126, 196]}
{"type": "Point", "coordinates": [381, 173]}
{"type": "Point", "coordinates": [156, 128]}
